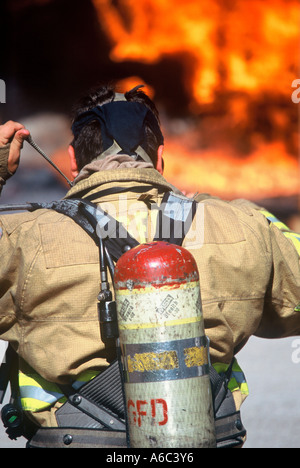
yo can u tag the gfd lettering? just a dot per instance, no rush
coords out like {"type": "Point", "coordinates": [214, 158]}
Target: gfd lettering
{"type": "Point", "coordinates": [140, 410]}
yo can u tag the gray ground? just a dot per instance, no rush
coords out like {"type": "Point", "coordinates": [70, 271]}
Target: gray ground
{"type": "Point", "coordinates": [271, 413]}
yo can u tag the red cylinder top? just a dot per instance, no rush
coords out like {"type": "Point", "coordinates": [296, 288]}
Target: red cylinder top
{"type": "Point", "coordinates": [155, 263]}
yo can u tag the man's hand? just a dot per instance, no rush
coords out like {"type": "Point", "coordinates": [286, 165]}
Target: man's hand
{"type": "Point", "coordinates": [15, 134]}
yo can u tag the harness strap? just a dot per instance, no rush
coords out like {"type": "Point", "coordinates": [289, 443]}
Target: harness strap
{"type": "Point", "coordinates": [175, 216]}
{"type": "Point", "coordinates": [101, 400]}
{"type": "Point", "coordinates": [230, 430]}
{"type": "Point", "coordinates": [222, 396]}
{"type": "Point", "coordinates": [77, 438]}
{"type": "Point", "coordinates": [7, 370]}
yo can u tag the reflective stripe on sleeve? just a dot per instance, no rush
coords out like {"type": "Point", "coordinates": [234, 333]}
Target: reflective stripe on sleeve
{"type": "Point", "coordinates": [293, 236]}
{"type": "Point", "coordinates": [237, 379]}
{"type": "Point", "coordinates": [37, 394]}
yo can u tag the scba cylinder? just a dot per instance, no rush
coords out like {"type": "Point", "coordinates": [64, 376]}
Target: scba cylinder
{"type": "Point", "coordinates": [164, 348]}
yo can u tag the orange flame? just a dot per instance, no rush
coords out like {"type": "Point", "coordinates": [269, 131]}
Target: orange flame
{"type": "Point", "coordinates": [268, 170]}
{"type": "Point", "coordinates": [247, 51]}
{"type": "Point", "coordinates": [241, 48]}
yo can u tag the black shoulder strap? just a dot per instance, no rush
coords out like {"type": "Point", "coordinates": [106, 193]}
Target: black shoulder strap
{"type": "Point", "coordinates": [175, 216]}
{"type": "Point", "coordinates": [95, 223]}
{"type": "Point", "coordinates": [8, 371]}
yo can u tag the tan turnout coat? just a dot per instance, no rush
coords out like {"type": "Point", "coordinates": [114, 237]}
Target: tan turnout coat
{"type": "Point", "coordinates": [49, 276]}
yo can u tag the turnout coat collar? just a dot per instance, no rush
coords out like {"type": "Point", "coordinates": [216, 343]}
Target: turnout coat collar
{"type": "Point", "coordinates": [127, 177]}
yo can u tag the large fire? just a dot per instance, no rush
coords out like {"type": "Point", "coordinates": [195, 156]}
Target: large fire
{"type": "Point", "coordinates": [239, 57]}
{"type": "Point", "coordinates": [237, 45]}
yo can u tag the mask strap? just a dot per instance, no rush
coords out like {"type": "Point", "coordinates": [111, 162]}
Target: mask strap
{"type": "Point", "coordinates": [119, 97]}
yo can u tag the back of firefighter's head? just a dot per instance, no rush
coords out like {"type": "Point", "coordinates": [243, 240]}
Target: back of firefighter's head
{"type": "Point", "coordinates": [97, 125]}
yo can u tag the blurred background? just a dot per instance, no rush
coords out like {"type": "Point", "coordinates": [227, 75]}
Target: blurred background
{"type": "Point", "coordinates": [221, 73]}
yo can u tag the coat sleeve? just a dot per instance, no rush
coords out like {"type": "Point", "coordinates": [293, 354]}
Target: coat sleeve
{"type": "Point", "coordinates": [4, 173]}
{"type": "Point", "coordinates": [249, 276]}
{"type": "Point", "coordinates": [8, 265]}
{"type": "Point", "coordinates": [281, 315]}
{"type": "Point", "coordinates": [10, 286]}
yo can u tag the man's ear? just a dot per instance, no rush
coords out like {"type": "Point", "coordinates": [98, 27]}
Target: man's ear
{"type": "Point", "coordinates": [73, 162]}
{"type": "Point", "coordinates": [160, 161]}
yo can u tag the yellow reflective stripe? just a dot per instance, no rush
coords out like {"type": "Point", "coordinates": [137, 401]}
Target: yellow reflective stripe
{"type": "Point", "coordinates": [38, 394]}
{"type": "Point", "coordinates": [33, 405]}
{"type": "Point", "coordinates": [220, 367]}
{"type": "Point", "coordinates": [37, 381]}
{"type": "Point", "coordinates": [237, 378]}
{"type": "Point", "coordinates": [87, 375]}
{"type": "Point", "coordinates": [293, 236]}
{"type": "Point", "coordinates": [274, 220]}
{"type": "Point", "coordinates": [244, 389]}
{"type": "Point", "coordinates": [84, 377]}
{"type": "Point", "coordinates": [234, 385]}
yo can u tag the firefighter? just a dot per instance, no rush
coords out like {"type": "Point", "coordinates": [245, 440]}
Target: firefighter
{"type": "Point", "coordinates": [248, 260]}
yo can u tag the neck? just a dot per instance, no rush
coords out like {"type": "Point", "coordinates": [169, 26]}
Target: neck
{"type": "Point", "coordinates": [118, 161]}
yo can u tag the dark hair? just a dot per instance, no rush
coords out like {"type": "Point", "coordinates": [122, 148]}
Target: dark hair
{"type": "Point", "coordinates": [88, 144]}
